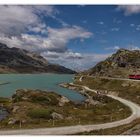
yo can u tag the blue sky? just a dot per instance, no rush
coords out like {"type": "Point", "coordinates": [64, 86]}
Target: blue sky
{"type": "Point", "coordinates": [109, 27]}
{"type": "Point", "coordinates": [76, 36]}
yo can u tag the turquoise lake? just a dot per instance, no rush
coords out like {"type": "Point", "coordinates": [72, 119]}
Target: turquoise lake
{"type": "Point", "coordinates": [49, 82]}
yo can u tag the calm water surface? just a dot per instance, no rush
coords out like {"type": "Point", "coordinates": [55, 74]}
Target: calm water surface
{"type": "Point", "coordinates": [38, 81]}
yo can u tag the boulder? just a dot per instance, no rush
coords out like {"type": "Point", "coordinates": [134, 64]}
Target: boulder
{"type": "Point", "coordinates": [63, 100]}
{"type": "Point", "coordinates": [90, 101]}
{"type": "Point", "coordinates": [12, 121]}
{"type": "Point", "coordinates": [115, 93]}
{"type": "Point", "coordinates": [15, 108]}
{"type": "Point", "coordinates": [24, 98]}
{"type": "Point", "coordinates": [57, 116]}
{"type": "Point", "coordinates": [125, 84]}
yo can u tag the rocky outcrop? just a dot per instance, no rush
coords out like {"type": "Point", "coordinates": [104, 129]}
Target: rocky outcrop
{"type": "Point", "coordinates": [120, 64]}
{"type": "Point", "coordinates": [27, 105]}
{"type": "Point", "coordinates": [57, 116]}
{"type": "Point", "coordinates": [37, 96]}
{"type": "Point", "coordinates": [15, 60]}
{"type": "Point", "coordinates": [13, 121]}
{"type": "Point", "coordinates": [90, 101]}
{"type": "Point", "coordinates": [63, 101]}
{"type": "Point", "coordinates": [15, 108]}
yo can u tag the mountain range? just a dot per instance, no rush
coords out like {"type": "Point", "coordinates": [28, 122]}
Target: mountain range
{"type": "Point", "coordinates": [15, 60]}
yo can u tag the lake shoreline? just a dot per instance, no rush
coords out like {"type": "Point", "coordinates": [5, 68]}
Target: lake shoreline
{"type": "Point", "coordinates": [47, 81]}
{"type": "Point", "coordinates": [30, 109]}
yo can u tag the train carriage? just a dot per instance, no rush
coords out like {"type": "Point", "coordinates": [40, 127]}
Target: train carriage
{"type": "Point", "coordinates": [134, 76]}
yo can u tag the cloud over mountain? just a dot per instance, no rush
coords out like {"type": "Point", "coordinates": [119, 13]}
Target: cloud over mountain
{"type": "Point", "coordinates": [23, 27]}
{"type": "Point", "coordinates": [56, 40]}
{"type": "Point", "coordinates": [70, 35]}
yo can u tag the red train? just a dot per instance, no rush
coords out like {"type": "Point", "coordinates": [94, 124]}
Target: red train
{"type": "Point", "coordinates": [134, 76]}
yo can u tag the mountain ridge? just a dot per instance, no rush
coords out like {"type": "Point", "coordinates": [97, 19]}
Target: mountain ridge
{"type": "Point", "coordinates": [15, 60]}
{"type": "Point", "coordinates": [120, 64]}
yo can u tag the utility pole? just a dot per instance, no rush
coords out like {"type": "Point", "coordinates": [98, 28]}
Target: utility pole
{"type": "Point", "coordinates": [20, 124]}
{"type": "Point", "coordinates": [53, 122]}
{"type": "Point", "coordinates": [85, 105]}
{"type": "Point", "coordinates": [79, 121]}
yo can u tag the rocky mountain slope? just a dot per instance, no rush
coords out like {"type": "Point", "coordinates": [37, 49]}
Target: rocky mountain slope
{"type": "Point", "coordinates": [120, 64]}
{"type": "Point", "coordinates": [15, 60]}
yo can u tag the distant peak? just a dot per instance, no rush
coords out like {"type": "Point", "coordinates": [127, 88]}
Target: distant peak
{"type": "Point", "coordinates": [122, 50]}
{"type": "Point", "coordinates": [2, 45]}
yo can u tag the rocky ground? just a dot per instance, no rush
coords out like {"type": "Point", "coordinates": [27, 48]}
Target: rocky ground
{"type": "Point", "coordinates": [133, 131]}
{"type": "Point", "coordinates": [36, 108]}
{"type": "Point", "coordinates": [27, 105]}
{"type": "Point", "coordinates": [120, 64]}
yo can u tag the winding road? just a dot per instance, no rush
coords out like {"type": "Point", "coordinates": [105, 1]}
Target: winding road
{"type": "Point", "coordinates": [80, 128]}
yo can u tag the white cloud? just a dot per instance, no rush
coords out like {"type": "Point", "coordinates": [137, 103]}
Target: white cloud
{"type": "Point", "coordinates": [116, 47]}
{"type": "Point", "coordinates": [53, 47]}
{"type": "Point", "coordinates": [40, 28]}
{"type": "Point", "coordinates": [129, 47]}
{"type": "Point", "coordinates": [25, 41]}
{"type": "Point", "coordinates": [138, 28]}
{"type": "Point", "coordinates": [58, 38]}
{"type": "Point", "coordinates": [63, 23]}
{"type": "Point", "coordinates": [100, 22]}
{"type": "Point", "coordinates": [132, 25]}
{"type": "Point", "coordinates": [65, 55]}
{"type": "Point", "coordinates": [129, 9]}
{"type": "Point", "coordinates": [133, 47]}
{"type": "Point", "coordinates": [116, 29]}
{"type": "Point", "coordinates": [84, 21]}
{"type": "Point", "coordinates": [117, 21]}
{"type": "Point", "coordinates": [113, 48]}
{"type": "Point", "coordinates": [76, 61]}
{"type": "Point", "coordinates": [14, 20]}
{"type": "Point", "coordinates": [88, 61]}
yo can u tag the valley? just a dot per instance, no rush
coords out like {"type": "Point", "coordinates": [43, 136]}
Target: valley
{"type": "Point", "coordinates": [93, 103]}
